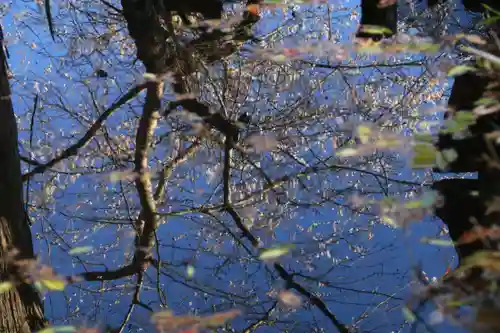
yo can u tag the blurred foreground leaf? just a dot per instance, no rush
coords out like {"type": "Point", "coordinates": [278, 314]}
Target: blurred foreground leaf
{"type": "Point", "coordinates": [275, 252]}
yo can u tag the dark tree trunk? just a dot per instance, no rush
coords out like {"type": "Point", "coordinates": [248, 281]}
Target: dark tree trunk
{"type": "Point", "coordinates": [386, 16]}
{"type": "Point", "coordinates": [462, 210]}
{"type": "Point", "coordinates": [471, 203]}
{"type": "Point", "coordinates": [373, 15]}
{"type": "Point", "coordinates": [20, 308]}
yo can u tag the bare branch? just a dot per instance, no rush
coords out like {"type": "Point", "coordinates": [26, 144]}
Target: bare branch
{"type": "Point", "coordinates": [167, 170]}
{"type": "Point", "coordinates": [73, 149]}
{"type": "Point", "coordinates": [315, 300]}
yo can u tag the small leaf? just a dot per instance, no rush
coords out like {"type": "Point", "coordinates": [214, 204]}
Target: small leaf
{"type": "Point", "coordinates": [445, 157]}
{"type": "Point", "coordinates": [427, 138]}
{"type": "Point", "coordinates": [425, 156]}
{"type": "Point", "coordinates": [58, 329]}
{"type": "Point", "coordinates": [465, 118]}
{"type": "Point", "coordinates": [438, 242]}
{"type": "Point", "coordinates": [364, 133]}
{"type": "Point", "coordinates": [275, 252]}
{"type": "Point", "coordinates": [491, 20]}
{"type": "Point", "coordinates": [219, 319]}
{"type": "Point", "coordinates": [491, 9]}
{"type": "Point", "coordinates": [128, 175]}
{"type": "Point", "coordinates": [150, 77]}
{"type": "Point", "coordinates": [488, 260]}
{"type": "Point", "coordinates": [5, 286]}
{"type": "Point", "coordinates": [475, 39]}
{"type": "Point", "coordinates": [375, 29]}
{"type": "Point", "coordinates": [461, 69]}
{"type": "Point", "coordinates": [389, 221]}
{"type": "Point", "coordinates": [413, 204]}
{"type": "Point", "coordinates": [428, 47]}
{"type": "Point", "coordinates": [54, 284]}
{"type": "Point", "coordinates": [409, 315]}
{"type": "Point", "coordinates": [38, 286]}
{"type": "Point", "coordinates": [80, 250]}
{"type": "Point", "coordinates": [115, 177]}
{"type": "Point", "coordinates": [388, 143]}
{"type": "Point", "coordinates": [450, 154]}
{"type": "Point", "coordinates": [262, 143]}
{"type": "Point", "coordinates": [347, 152]}
{"type": "Point", "coordinates": [163, 315]}
{"type": "Point", "coordinates": [64, 329]}
{"type": "Point", "coordinates": [436, 317]}
{"type": "Point", "coordinates": [486, 101]}
{"type": "Point", "coordinates": [456, 303]}
{"type": "Point", "coordinates": [368, 48]}
{"type": "Point", "coordinates": [289, 299]}
{"type": "Point", "coordinates": [48, 330]}
{"type": "Point", "coordinates": [253, 9]}
{"type": "Point", "coordinates": [190, 271]}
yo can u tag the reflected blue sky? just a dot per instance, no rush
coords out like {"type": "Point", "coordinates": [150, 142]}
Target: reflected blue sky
{"type": "Point", "coordinates": [330, 239]}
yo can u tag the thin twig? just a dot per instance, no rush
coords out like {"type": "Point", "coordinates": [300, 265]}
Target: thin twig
{"type": "Point", "coordinates": [73, 149]}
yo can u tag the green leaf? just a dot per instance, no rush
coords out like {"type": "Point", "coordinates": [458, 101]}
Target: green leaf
{"type": "Point", "coordinates": [80, 250]}
{"type": "Point", "coordinates": [347, 152]}
{"type": "Point", "coordinates": [49, 19]}
{"type": "Point", "coordinates": [54, 284]}
{"type": "Point", "coordinates": [491, 20]}
{"type": "Point", "coordinates": [39, 286]}
{"type": "Point", "coordinates": [375, 29]}
{"type": "Point", "coordinates": [428, 199]}
{"type": "Point", "coordinates": [445, 157]}
{"type": "Point", "coordinates": [460, 69]}
{"type": "Point", "coordinates": [428, 47]}
{"type": "Point", "coordinates": [389, 221]}
{"type": "Point", "coordinates": [48, 330]}
{"type": "Point", "coordinates": [413, 204]}
{"type": "Point", "coordinates": [491, 9]}
{"type": "Point", "coordinates": [150, 77]}
{"type": "Point", "coordinates": [5, 286]}
{"type": "Point", "coordinates": [190, 271]}
{"type": "Point", "coordinates": [486, 101]}
{"type": "Point", "coordinates": [425, 156]}
{"type": "Point", "coordinates": [450, 155]}
{"type": "Point", "coordinates": [115, 177]}
{"type": "Point", "coordinates": [456, 303]}
{"type": "Point", "coordinates": [464, 119]}
{"type": "Point", "coordinates": [364, 133]}
{"type": "Point", "coordinates": [489, 260]}
{"type": "Point", "coordinates": [128, 175]}
{"type": "Point", "coordinates": [388, 143]}
{"type": "Point", "coordinates": [437, 242]}
{"type": "Point", "coordinates": [372, 49]}
{"type": "Point", "coordinates": [424, 137]}
{"type": "Point", "coordinates": [409, 315]}
{"type": "Point", "coordinates": [58, 329]}
{"type": "Point", "coordinates": [275, 252]}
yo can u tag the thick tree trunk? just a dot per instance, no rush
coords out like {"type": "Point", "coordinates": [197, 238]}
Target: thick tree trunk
{"type": "Point", "coordinates": [20, 308]}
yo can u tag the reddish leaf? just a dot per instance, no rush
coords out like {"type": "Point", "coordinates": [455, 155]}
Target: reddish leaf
{"type": "Point", "coordinates": [253, 9]}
